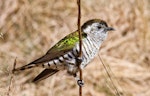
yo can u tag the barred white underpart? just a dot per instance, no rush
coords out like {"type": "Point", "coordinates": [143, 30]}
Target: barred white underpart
{"type": "Point", "coordinates": [89, 45]}
{"type": "Point", "coordinates": [71, 61]}
{"type": "Point", "coordinates": [85, 58]}
{"type": "Point", "coordinates": [95, 43]}
{"type": "Point", "coordinates": [61, 59]}
{"type": "Point", "coordinates": [90, 48]}
{"type": "Point", "coordinates": [66, 56]}
{"type": "Point", "coordinates": [70, 55]}
{"type": "Point", "coordinates": [60, 62]}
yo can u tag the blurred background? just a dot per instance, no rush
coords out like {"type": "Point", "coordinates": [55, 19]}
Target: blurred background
{"type": "Point", "coordinates": [28, 28]}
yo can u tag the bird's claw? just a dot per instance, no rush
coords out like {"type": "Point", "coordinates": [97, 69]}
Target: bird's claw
{"type": "Point", "coordinates": [80, 83]}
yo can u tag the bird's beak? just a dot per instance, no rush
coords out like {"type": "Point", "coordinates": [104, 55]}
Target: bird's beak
{"type": "Point", "coordinates": [110, 29]}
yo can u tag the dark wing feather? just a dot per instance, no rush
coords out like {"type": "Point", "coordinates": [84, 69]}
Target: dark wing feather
{"type": "Point", "coordinates": [50, 56]}
{"type": "Point", "coordinates": [44, 74]}
{"type": "Point", "coordinates": [62, 47]}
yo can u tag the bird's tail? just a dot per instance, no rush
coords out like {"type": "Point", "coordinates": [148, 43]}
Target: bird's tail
{"type": "Point", "coordinates": [28, 66]}
{"type": "Point", "coordinates": [45, 74]}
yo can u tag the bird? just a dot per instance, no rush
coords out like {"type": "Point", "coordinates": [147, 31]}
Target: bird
{"type": "Point", "coordinates": [64, 55]}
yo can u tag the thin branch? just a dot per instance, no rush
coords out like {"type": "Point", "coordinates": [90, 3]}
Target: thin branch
{"type": "Point", "coordinates": [11, 79]}
{"type": "Point", "coordinates": [79, 28]}
{"type": "Point", "coordinates": [106, 69]}
{"type": "Point", "coordinates": [9, 87]}
{"type": "Point", "coordinates": [80, 42]}
{"type": "Point", "coordinates": [14, 66]}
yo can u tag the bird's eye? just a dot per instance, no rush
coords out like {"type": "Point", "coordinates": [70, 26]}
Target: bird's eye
{"type": "Point", "coordinates": [99, 27]}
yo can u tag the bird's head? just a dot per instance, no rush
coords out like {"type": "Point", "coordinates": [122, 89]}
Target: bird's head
{"type": "Point", "coordinates": [96, 28]}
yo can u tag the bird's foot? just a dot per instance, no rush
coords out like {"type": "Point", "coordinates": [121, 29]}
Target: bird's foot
{"type": "Point", "coordinates": [78, 80]}
{"type": "Point", "coordinates": [80, 83]}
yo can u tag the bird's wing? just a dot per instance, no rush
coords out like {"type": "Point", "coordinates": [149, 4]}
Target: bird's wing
{"type": "Point", "coordinates": [44, 74]}
{"type": "Point", "coordinates": [62, 47]}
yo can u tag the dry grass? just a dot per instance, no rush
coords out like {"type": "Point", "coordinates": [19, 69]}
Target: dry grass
{"type": "Point", "coordinates": [31, 27]}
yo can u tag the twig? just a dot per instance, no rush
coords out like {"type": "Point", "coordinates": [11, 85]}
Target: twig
{"type": "Point", "coordinates": [80, 42]}
{"type": "Point", "coordinates": [106, 69]}
{"type": "Point", "coordinates": [11, 78]}
{"type": "Point", "coordinates": [14, 66]}
{"type": "Point", "coordinates": [9, 88]}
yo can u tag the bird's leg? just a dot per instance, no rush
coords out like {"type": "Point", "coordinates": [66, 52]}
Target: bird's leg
{"type": "Point", "coordinates": [79, 60]}
{"type": "Point", "coordinates": [79, 82]}
{"type": "Point", "coordinates": [72, 69]}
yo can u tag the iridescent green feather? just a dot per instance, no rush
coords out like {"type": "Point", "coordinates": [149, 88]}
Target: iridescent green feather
{"type": "Point", "coordinates": [68, 42]}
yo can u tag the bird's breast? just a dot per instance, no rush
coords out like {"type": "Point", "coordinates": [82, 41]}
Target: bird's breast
{"type": "Point", "coordinates": [90, 49]}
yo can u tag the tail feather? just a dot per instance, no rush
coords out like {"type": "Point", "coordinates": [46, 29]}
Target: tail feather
{"type": "Point", "coordinates": [28, 66]}
{"type": "Point", "coordinates": [45, 74]}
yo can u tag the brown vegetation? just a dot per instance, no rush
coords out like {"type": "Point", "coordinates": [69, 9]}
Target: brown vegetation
{"type": "Point", "coordinates": [30, 27]}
